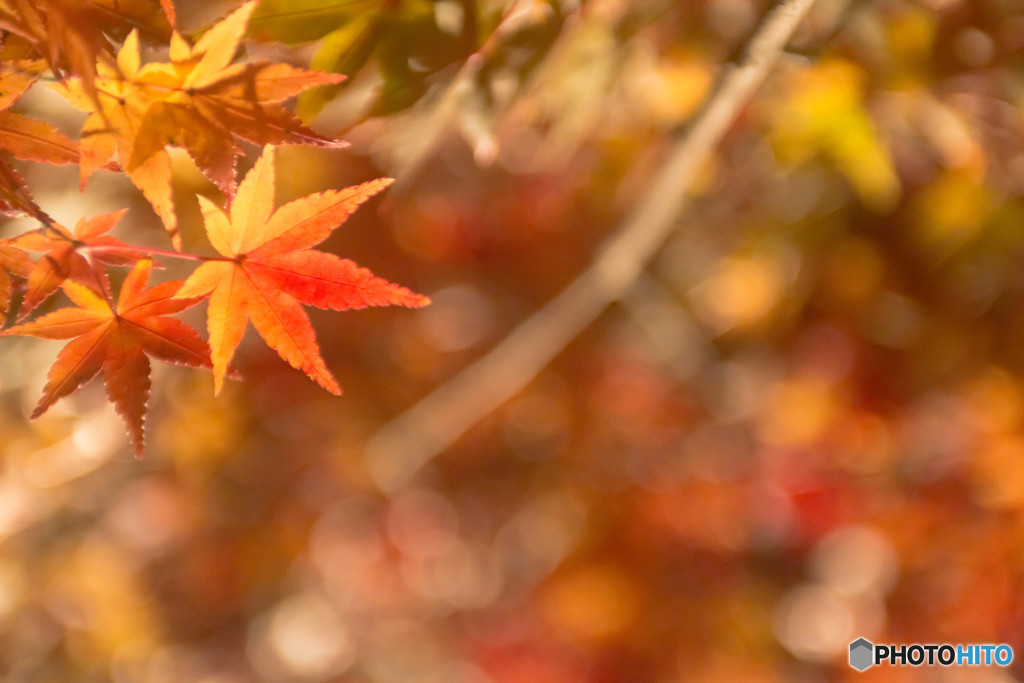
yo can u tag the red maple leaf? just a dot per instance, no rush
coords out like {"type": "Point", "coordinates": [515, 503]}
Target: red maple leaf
{"type": "Point", "coordinates": [74, 256]}
{"type": "Point", "coordinates": [269, 270]}
{"type": "Point", "coordinates": [117, 341]}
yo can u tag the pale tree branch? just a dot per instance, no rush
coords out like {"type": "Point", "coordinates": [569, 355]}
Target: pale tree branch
{"type": "Point", "coordinates": [403, 446]}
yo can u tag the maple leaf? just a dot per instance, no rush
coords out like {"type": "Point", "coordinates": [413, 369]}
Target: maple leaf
{"type": "Point", "coordinates": [14, 195]}
{"type": "Point", "coordinates": [13, 261]}
{"type": "Point", "coordinates": [269, 270]}
{"type": "Point", "coordinates": [199, 101]}
{"type": "Point", "coordinates": [168, 8]}
{"type": "Point", "coordinates": [117, 341]}
{"type": "Point", "coordinates": [74, 256]}
{"type": "Point", "coordinates": [70, 34]}
{"type": "Point", "coordinates": [26, 138]}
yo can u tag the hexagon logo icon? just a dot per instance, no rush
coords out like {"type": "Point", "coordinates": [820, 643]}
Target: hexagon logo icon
{"type": "Point", "coordinates": [861, 654]}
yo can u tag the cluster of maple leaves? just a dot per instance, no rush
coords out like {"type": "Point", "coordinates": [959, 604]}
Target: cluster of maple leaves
{"type": "Point", "coordinates": [204, 101]}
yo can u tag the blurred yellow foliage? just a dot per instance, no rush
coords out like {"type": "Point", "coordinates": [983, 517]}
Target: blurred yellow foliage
{"type": "Point", "coordinates": [742, 290]}
{"type": "Point", "coordinates": [910, 39]}
{"type": "Point", "coordinates": [102, 602]}
{"type": "Point", "coordinates": [825, 115]}
{"type": "Point", "coordinates": [674, 88]}
{"type": "Point", "coordinates": [951, 210]}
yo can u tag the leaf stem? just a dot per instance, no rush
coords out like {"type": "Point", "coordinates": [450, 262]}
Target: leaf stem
{"type": "Point", "coordinates": [179, 254]}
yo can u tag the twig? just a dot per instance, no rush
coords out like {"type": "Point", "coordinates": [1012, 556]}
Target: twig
{"type": "Point", "coordinates": [404, 445]}
{"type": "Point", "coordinates": [421, 145]}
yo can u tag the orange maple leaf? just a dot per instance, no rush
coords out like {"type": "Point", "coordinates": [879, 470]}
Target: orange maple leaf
{"type": "Point", "coordinates": [15, 197]}
{"type": "Point", "coordinates": [269, 270]}
{"type": "Point", "coordinates": [168, 8]}
{"type": "Point", "coordinates": [26, 138]}
{"type": "Point", "coordinates": [13, 261]}
{"type": "Point", "coordinates": [70, 34]}
{"type": "Point", "coordinates": [116, 341]}
{"type": "Point", "coordinates": [75, 256]}
{"type": "Point", "coordinates": [199, 101]}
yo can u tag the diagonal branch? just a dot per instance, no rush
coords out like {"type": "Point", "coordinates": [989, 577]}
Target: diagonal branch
{"type": "Point", "coordinates": [407, 443]}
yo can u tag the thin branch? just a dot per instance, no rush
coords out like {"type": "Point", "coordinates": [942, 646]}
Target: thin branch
{"type": "Point", "coordinates": [420, 146]}
{"type": "Point", "coordinates": [407, 443]}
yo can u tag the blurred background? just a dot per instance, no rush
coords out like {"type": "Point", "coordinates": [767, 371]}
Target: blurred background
{"type": "Point", "coordinates": [804, 423]}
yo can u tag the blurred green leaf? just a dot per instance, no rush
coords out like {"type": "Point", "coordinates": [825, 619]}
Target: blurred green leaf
{"type": "Point", "coordinates": [405, 37]}
{"type": "Point", "coordinates": [343, 51]}
{"type": "Point", "coordinates": [300, 21]}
